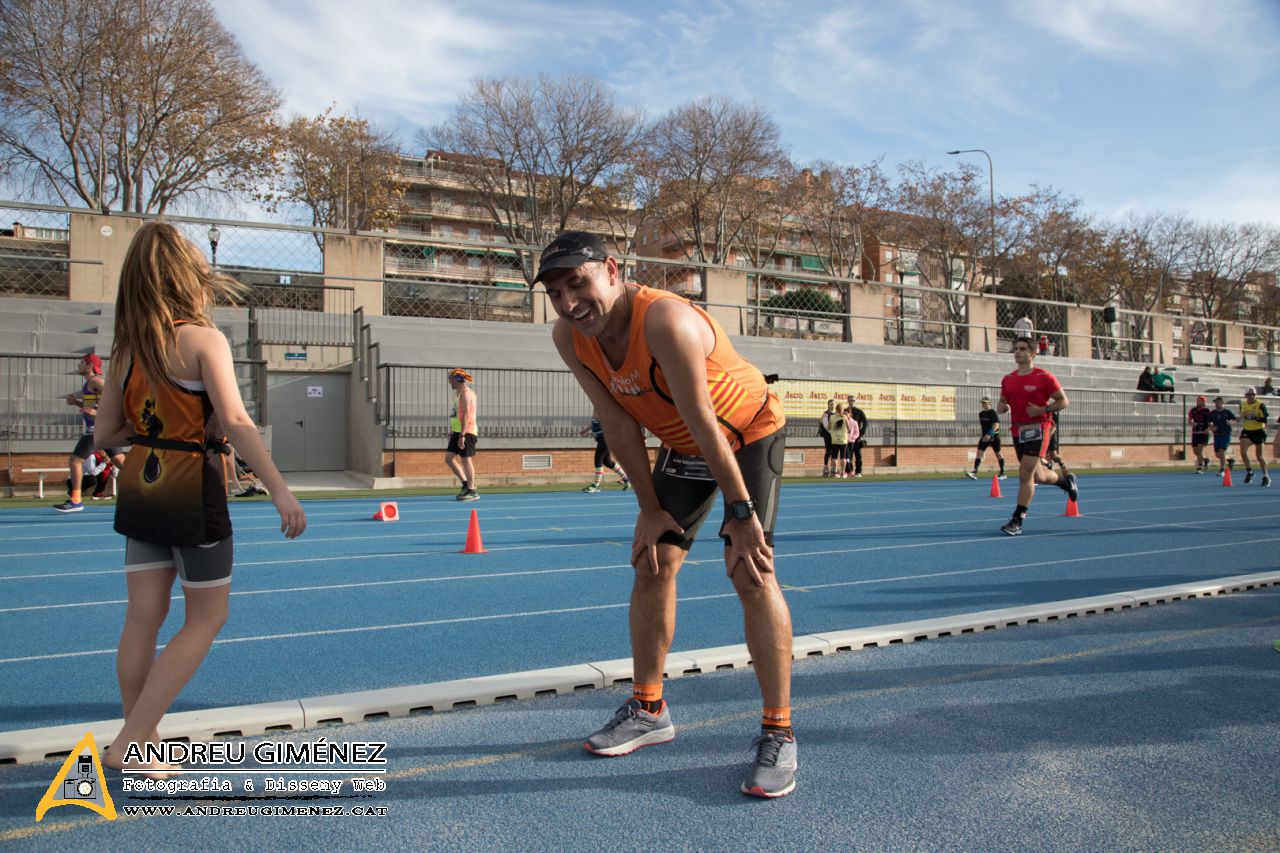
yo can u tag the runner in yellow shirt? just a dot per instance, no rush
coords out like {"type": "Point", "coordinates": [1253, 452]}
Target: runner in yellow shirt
{"type": "Point", "coordinates": [1254, 434]}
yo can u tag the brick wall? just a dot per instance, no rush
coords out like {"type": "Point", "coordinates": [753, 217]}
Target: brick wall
{"type": "Point", "coordinates": [506, 466]}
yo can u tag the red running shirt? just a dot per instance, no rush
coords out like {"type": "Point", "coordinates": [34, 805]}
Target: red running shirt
{"type": "Point", "coordinates": [1034, 389]}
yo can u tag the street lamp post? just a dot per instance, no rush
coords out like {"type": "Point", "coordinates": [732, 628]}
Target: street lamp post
{"type": "Point", "coordinates": [902, 292]}
{"type": "Point", "coordinates": [991, 181]}
{"type": "Point", "coordinates": [214, 234]}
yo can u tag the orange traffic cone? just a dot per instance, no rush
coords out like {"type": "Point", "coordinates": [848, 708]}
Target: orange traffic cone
{"type": "Point", "coordinates": [1073, 510]}
{"type": "Point", "coordinates": [387, 511]}
{"type": "Point", "coordinates": [474, 544]}
{"type": "Point", "coordinates": [995, 486]}
{"type": "Point", "coordinates": [377, 516]}
{"type": "Point", "coordinates": [1226, 476]}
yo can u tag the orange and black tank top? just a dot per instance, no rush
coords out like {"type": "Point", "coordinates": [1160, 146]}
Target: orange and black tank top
{"type": "Point", "coordinates": [744, 407]}
{"type": "Point", "coordinates": [172, 488]}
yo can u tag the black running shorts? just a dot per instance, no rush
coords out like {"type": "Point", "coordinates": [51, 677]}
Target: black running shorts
{"type": "Point", "coordinates": [686, 489]}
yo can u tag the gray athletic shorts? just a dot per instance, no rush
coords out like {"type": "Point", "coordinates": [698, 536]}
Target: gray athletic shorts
{"type": "Point", "coordinates": [198, 565]}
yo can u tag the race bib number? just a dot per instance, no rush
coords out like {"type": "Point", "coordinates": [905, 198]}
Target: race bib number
{"type": "Point", "coordinates": [677, 464]}
{"type": "Point", "coordinates": [1030, 432]}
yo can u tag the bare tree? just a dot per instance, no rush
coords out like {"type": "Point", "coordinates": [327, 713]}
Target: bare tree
{"type": "Point", "coordinates": [1135, 264]}
{"type": "Point", "coordinates": [944, 218]}
{"type": "Point", "coordinates": [341, 169]}
{"type": "Point", "coordinates": [1045, 235]}
{"type": "Point", "coordinates": [842, 206]}
{"type": "Point", "coordinates": [712, 170]}
{"type": "Point", "coordinates": [1224, 260]}
{"type": "Point", "coordinates": [127, 104]}
{"type": "Point", "coordinates": [531, 150]}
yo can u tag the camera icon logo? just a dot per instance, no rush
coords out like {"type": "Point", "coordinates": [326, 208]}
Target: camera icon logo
{"type": "Point", "coordinates": [78, 789]}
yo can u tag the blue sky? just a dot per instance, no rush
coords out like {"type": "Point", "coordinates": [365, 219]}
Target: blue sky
{"type": "Point", "coordinates": [1130, 105]}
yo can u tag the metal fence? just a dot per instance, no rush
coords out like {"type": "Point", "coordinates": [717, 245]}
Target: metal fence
{"type": "Point", "coordinates": [415, 401]}
{"type": "Point", "coordinates": [443, 274]}
{"type": "Point", "coordinates": [34, 390]}
{"type": "Point", "coordinates": [301, 314]}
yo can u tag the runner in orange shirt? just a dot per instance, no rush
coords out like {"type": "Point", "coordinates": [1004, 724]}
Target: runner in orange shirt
{"type": "Point", "coordinates": [648, 358]}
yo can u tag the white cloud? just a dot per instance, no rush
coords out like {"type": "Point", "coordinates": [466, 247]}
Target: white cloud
{"type": "Point", "coordinates": [1239, 32]}
{"type": "Point", "coordinates": [401, 62]}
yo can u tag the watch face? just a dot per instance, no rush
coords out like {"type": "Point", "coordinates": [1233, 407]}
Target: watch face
{"type": "Point", "coordinates": [742, 510]}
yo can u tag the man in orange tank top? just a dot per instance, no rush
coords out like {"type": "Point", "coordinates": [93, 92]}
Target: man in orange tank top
{"type": "Point", "coordinates": [649, 359]}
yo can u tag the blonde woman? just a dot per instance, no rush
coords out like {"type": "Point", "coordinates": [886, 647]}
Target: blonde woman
{"type": "Point", "coordinates": [838, 424]}
{"type": "Point", "coordinates": [171, 391]}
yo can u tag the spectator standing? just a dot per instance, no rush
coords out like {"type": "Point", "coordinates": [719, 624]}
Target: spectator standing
{"type": "Point", "coordinates": [824, 431]}
{"type": "Point", "coordinates": [839, 426]}
{"type": "Point", "coordinates": [1022, 327]}
{"type": "Point", "coordinates": [853, 452]}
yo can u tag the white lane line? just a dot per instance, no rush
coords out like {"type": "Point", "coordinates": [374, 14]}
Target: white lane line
{"type": "Point", "coordinates": [818, 494]}
{"type": "Point", "coordinates": [599, 607]}
{"type": "Point", "coordinates": [1149, 506]}
{"type": "Point", "coordinates": [978, 539]}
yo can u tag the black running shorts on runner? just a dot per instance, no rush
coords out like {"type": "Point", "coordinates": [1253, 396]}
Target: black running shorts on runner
{"type": "Point", "coordinates": [468, 445]}
{"type": "Point", "coordinates": [1198, 438]}
{"type": "Point", "coordinates": [1031, 440]}
{"type": "Point", "coordinates": [992, 441]}
{"type": "Point", "coordinates": [1257, 436]}
{"type": "Point", "coordinates": [198, 565]}
{"type": "Point", "coordinates": [686, 489]}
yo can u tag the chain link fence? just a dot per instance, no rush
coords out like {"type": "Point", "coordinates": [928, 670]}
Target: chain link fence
{"type": "Point", "coordinates": [434, 272]}
{"type": "Point", "coordinates": [34, 258]}
{"type": "Point", "coordinates": [34, 390]}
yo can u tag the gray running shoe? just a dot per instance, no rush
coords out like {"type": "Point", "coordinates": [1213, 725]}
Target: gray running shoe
{"type": "Point", "coordinates": [469, 495]}
{"type": "Point", "coordinates": [773, 768]}
{"type": "Point", "coordinates": [1073, 489]}
{"type": "Point", "coordinates": [972, 475]}
{"type": "Point", "coordinates": [1013, 527]}
{"type": "Point", "coordinates": [1266, 480]}
{"type": "Point", "coordinates": [592, 488]}
{"type": "Point", "coordinates": [69, 506]}
{"type": "Point", "coordinates": [631, 728]}
{"type": "Point", "coordinates": [1248, 475]}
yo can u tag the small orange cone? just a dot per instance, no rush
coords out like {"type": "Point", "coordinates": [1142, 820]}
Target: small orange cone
{"type": "Point", "coordinates": [995, 487]}
{"type": "Point", "coordinates": [1226, 476]}
{"type": "Point", "coordinates": [387, 511]}
{"type": "Point", "coordinates": [1073, 510]}
{"type": "Point", "coordinates": [377, 516]}
{"type": "Point", "coordinates": [474, 544]}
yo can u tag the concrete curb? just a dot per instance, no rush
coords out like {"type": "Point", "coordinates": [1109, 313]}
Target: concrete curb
{"type": "Point", "coordinates": [28, 746]}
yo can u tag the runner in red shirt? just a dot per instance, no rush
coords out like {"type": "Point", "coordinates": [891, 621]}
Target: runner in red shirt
{"type": "Point", "coordinates": [1031, 396]}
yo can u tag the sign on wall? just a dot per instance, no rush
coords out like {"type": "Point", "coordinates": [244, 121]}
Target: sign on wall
{"type": "Point", "coordinates": [805, 398]}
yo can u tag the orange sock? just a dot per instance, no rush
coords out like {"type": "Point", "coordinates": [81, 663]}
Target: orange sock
{"type": "Point", "coordinates": [776, 718]}
{"type": "Point", "coordinates": [648, 695]}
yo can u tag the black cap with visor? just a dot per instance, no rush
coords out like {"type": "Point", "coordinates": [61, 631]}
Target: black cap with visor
{"type": "Point", "coordinates": [570, 250]}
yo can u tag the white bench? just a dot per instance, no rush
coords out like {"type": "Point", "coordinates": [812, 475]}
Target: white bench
{"type": "Point", "coordinates": [41, 473]}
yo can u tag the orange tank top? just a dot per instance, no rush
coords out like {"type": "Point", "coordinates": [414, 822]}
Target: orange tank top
{"type": "Point", "coordinates": [172, 487]}
{"type": "Point", "coordinates": [744, 407]}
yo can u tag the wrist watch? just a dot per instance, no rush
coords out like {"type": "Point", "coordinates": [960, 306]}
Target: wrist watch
{"type": "Point", "coordinates": [742, 510]}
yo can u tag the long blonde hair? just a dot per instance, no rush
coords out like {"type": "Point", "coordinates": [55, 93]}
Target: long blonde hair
{"type": "Point", "coordinates": [164, 281]}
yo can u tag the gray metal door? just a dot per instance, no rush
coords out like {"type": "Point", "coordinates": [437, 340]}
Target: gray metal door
{"type": "Point", "coordinates": [308, 417]}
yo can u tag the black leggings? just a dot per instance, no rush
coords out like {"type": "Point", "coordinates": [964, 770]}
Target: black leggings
{"type": "Point", "coordinates": [603, 459]}
{"type": "Point", "coordinates": [853, 451]}
{"type": "Point", "coordinates": [826, 441]}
